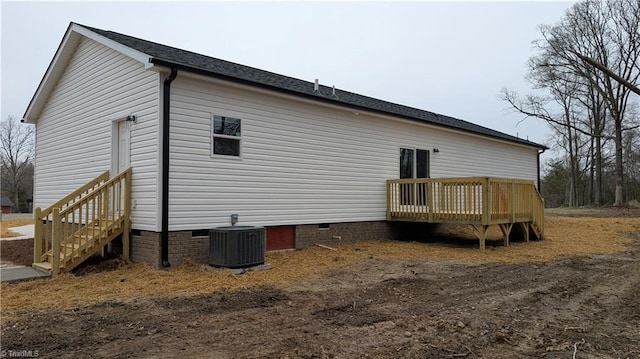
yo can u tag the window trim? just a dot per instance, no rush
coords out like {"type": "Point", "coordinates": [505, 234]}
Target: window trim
{"type": "Point", "coordinates": [213, 135]}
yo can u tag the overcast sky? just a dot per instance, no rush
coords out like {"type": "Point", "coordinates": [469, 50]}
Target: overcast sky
{"type": "Point", "coordinates": [450, 58]}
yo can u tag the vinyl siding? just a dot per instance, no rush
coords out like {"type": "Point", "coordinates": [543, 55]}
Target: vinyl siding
{"type": "Point", "coordinates": [306, 163]}
{"type": "Point", "coordinates": [74, 130]}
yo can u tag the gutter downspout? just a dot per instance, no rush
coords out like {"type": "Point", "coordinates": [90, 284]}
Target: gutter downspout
{"type": "Point", "coordinates": [539, 153]}
{"type": "Point", "coordinates": [164, 244]}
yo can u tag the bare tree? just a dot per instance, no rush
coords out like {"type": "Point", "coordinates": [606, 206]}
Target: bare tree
{"type": "Point", "coordinates": [16, 153]}
{"type": "Point", "coordinates": [591, 58]}
{"type": "Point", "coordinates": [607, 33]}
{"type": "Point", "coordinates": [561, 113]}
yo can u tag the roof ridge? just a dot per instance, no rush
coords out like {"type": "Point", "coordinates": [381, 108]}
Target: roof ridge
{"type": "Point", "coordinates": [189, 51]}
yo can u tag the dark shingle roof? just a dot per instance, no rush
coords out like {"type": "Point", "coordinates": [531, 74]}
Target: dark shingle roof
{"type": "Point", "coordinates": [190, 61]}
{"type": "Point", "coordinates": [5, 201]}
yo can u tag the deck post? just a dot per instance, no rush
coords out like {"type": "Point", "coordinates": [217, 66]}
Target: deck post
{"type": "Point", "coordinates": [388, 200]}
{"type": "Point", "coordinates": [506, 231]}
{"type": "Point", "coordinates": [414, 200]}
{"type": "Point", "coordinates": [104, 211]}
{"type": "Point", "coordinates": [430, 203]}
{"type": "Point", "coordinates": [481, 232]}
{"type": "Point", "coordinates": [525, 230]}
{"type": "Point", "coordinates": [127, 220]}
{"type": "Point", "coordinates": [55, 243]}
{"type": "Point", "coordinates": [533, 204]}
{"type": "Point", "coordinates": [486, 201]}
{"type": "Point", "coordinates": [37, 235]}
{"type": "Point", "coordinates": [512, 201]}
{"type": "Point", "coordinates": [441, 197]}
{"type": "Point", "coordinates": [541, 218]}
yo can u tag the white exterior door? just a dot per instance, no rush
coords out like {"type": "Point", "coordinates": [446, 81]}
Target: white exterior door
{"type": "Point", "coordinates": [123, 148]}
{"type": "Point", "coordinates": [121, 158]}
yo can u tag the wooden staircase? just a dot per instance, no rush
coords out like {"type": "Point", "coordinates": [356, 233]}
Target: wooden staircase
{"type": "Point", "coordinates": [82, 223]}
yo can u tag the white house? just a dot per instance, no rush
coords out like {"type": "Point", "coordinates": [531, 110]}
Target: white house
{"type": "Point", "coordinates": [207, 138]}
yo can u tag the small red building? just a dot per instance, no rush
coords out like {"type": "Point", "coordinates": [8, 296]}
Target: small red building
{"type": "Point", "coordinates": [7, 205]}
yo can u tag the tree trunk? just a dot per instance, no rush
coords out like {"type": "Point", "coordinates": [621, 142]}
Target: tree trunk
{"type": "Point", "coordinates": [576, 173]}
{"type": "Point", "coordinates": [572, 157]}
{"type": "Point", "coordinates": [597, 193]}
{"type": "Point", "coordinates": [619, 169]}
{"type": "Point", "coordinates": [592, 171]}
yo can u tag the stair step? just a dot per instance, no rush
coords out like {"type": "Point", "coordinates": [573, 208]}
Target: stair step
{"type": "Point", "coordinates": [42, 266]}
{"type": "Point", "coordinates": [76, 249]}
{"type": "Point", "coordinates": [80, 245]}
{"type": "Point", "coordinates": [94, 231]}
{"type": "Point", "coordinates": [70, 253]}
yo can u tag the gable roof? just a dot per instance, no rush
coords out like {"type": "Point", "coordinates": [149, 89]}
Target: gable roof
{"type": "Point", "coordinates": [163, 55]}
{"type": "Point", "coordinates": [5, 201]}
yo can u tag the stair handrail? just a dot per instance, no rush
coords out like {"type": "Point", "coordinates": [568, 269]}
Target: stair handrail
{"type": "Point", "coordinates": [42, 245]}
{"type": "Point", "coordinates": [101, 187]}
{"type": "Point", "coordinates": [77, 194]}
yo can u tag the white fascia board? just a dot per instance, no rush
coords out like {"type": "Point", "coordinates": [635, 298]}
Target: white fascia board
{"type": "Point", "coordinates": [125, 50]}
{"type": "Point", "coordinates": [61, 59]}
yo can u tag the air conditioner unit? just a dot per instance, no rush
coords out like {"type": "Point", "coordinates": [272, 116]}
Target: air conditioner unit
{"type": "Point", "coordinates": [236, 246]}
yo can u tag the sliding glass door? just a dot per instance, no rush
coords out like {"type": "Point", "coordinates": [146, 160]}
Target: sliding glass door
{"type": "Point", "coordinates": [414, 163]}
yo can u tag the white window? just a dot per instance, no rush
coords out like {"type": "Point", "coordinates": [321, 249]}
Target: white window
{"type": "Point", "coordinates": [226, 136]}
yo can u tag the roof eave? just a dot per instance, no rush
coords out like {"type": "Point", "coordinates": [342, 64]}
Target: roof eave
{"type": "Point", "coordinates": [166, 63]}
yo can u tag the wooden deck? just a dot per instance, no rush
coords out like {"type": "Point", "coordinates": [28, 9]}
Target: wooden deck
{"type": "Point", "coordinates": [477, 201]}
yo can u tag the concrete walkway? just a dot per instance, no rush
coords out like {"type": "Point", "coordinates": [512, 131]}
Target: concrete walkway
{"type": "Point", "coordinates": [26, 232]}
{"type": "Point", "coordinates": [20, 274]}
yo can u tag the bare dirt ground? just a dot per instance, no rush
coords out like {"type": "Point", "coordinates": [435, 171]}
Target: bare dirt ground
{"type": "Point", "coordinates": [19, 252]}
{"type": "Point", "coordinates": [377, 307]}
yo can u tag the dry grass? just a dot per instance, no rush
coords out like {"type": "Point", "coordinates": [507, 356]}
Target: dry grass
{"type": "Point", "coordinates": [9, 223]}
{"type": "Point", "coordinates": [565, 237]}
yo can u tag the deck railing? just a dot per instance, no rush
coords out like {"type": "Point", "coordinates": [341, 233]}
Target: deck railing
{"type": "Point", "coordinates": [75, 226]}
{"type": "Point", "coordinates": [471, 200]}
